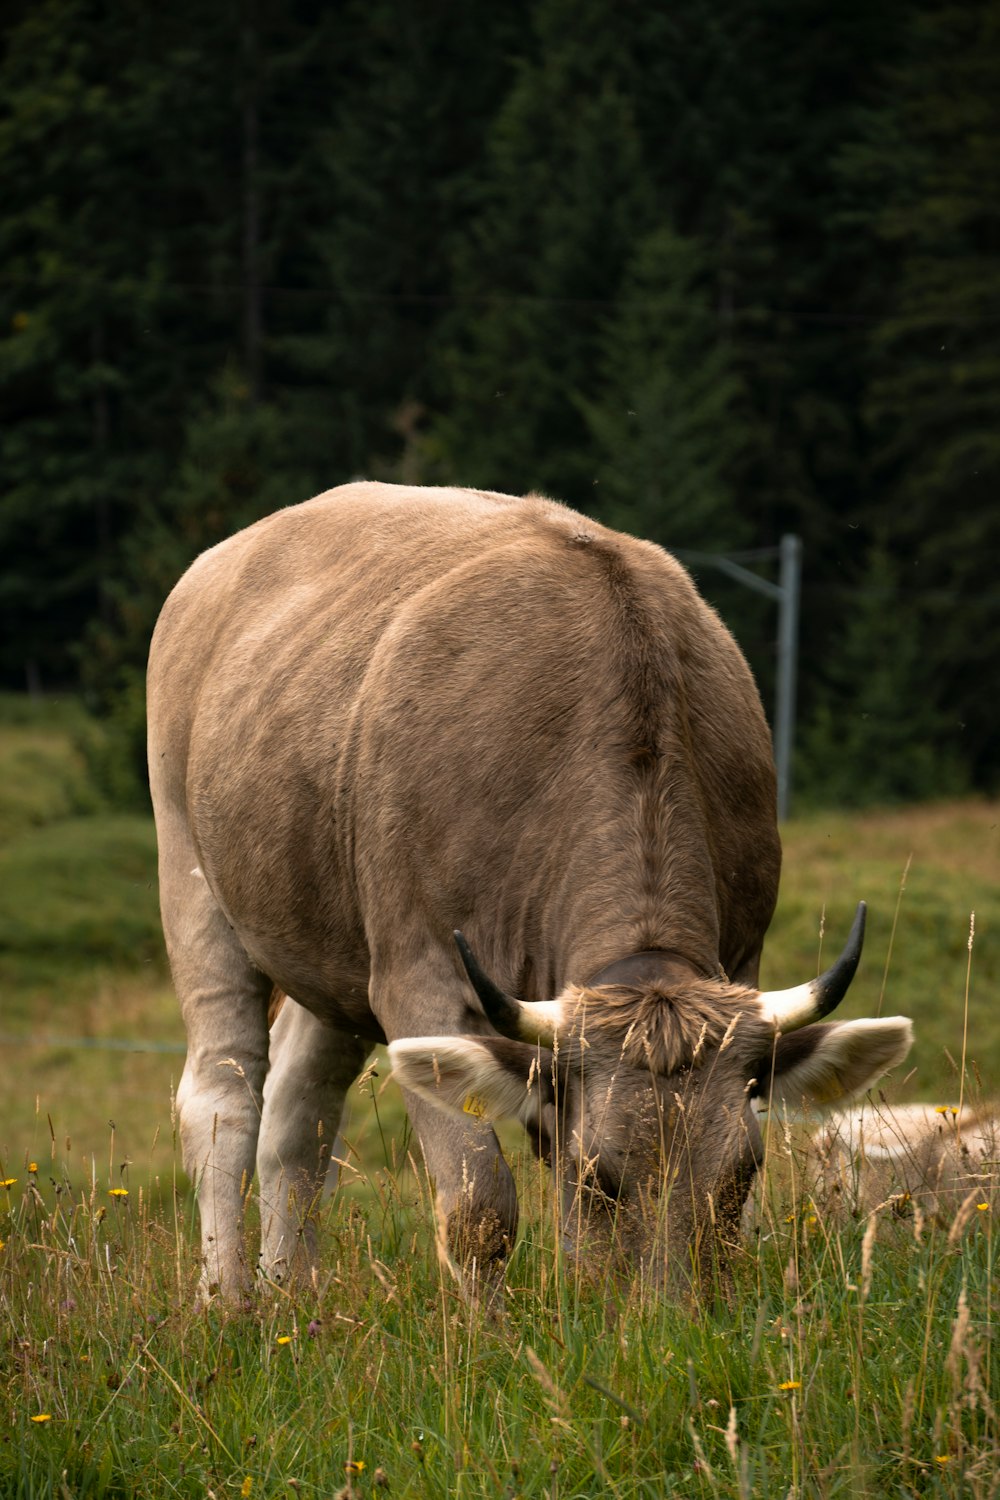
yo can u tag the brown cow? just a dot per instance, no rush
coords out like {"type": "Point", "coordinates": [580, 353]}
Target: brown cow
{"type": "Point", "coordinates": [389, 713]}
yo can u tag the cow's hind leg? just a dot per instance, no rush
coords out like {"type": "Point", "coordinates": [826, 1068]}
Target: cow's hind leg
{"type": "Point", "coordinates": [312, 1067]}
{"type": "Point", "coordinates": [224, 1003]}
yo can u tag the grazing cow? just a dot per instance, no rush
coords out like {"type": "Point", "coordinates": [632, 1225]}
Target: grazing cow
{"type": "Point", "coordinates": [390, 713]}
{"type": "Point", "coordinates": [908, 1157]}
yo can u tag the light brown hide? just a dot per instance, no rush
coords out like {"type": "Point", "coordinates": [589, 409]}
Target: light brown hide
{"type": "Point", "coordinates": [908, 1158]}
{"type": "Point", "coordinates": [391, 712]}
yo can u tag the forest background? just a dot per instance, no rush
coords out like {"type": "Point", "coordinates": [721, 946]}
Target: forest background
{"type": "Point", "coordinates": [710, 273]}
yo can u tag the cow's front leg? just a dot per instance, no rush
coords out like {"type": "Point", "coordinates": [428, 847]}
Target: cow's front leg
{"type": "Point", "coordinates": [476, 1198]}
{"type": "Point", "coordinates": [475, 1195]}
{"type": "Point", "coordinates": [312, 1067]}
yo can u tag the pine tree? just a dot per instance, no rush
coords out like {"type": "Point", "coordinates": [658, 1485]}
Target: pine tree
{"type": "Point", "coordinates": [927, 179]}
{"type": "Point", "coordinates": [71, 301]}
{"type": "Point", "coordinates": [663, 417]}
{"type": "Point", "coordinates": [155, 180]}
{"type": "Point", "coordinates": [399, 158]}
{"type": "Point", "coordinates": [876, 736]}
{"type": "Point", "coordinates": [561, 198]}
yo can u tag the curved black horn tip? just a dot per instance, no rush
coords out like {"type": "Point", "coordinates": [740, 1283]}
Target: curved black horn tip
{"type": "Point", "coordinates": [832, 986]}
{"type": "Point", "coordinates": [503, 1013]}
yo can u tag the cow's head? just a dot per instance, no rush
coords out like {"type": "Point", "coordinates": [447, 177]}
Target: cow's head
{"type": "Point", "coordinates": [643, 1095]}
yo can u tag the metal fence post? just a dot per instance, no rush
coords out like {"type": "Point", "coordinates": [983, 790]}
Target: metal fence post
{"type": "Point", "coordinates": [784, 593]}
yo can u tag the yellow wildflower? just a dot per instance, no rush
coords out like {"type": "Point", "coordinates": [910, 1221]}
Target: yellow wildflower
{"type": "Point", "coordinates": [7, 1182]}
{"type": "Point", "coordinates": [43, 1416]}
{"type": "Point", "coordinates": [118, 1192]}
{"type": "Point", "coordinates": [32, 1166]}
{"type": "Point", "coordinates": [790, 1385]}
{"type": "Point", "coordinates": [284, 1338]}
{"type": "Point", "coordinates": [945, 1109]}
{"type": "Point", "coordinates": [354, 1466]}
{"type": "Point", "coordinates": [982, 1207]}
{"type": "Point", "coordinates": [942, 1458]}
{"type": "Point", "coordinates": [246, 1486]}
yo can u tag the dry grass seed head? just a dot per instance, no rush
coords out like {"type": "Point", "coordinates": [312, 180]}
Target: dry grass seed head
{"type": "Point", "coordinates": [867, 1245]}
{"type": "Point", "coordinates": [965, 1212]}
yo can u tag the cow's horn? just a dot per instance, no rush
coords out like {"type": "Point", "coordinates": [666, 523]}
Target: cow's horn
{"type": "Point", "coordinates": [789, 1009]}
{"type": "Point", "coordinates": [521, 1021]}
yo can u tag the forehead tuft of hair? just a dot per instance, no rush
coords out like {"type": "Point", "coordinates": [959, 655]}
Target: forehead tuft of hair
{"type": "Point", "coordinates": [662, 1026]}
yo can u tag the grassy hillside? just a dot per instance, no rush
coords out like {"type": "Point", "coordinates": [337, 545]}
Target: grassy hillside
{"type": "Point", "coordinates": [81, 957]}
{"type": "Point", "coordinates": [924, 872]}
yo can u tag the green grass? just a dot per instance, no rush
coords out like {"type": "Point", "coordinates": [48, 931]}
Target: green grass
{"type": "Point", "coordinates": [837, 1370]}
{"type": "Point", "coordinates": [79, 878]}
{"type": "Point", "coordinates": [81, 953]}
{"type": "Point", "coordinates": [81, 896]}
{"type": "Point", "coordinates": [923, 871]}
{"type": "Point", "coordinates": [43, 775]}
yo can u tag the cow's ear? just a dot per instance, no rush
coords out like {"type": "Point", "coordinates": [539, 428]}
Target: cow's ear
{"type": "Point", "coordinates": [818, 1066]}
{"type": "Point", "coordinates": [486, 1077]}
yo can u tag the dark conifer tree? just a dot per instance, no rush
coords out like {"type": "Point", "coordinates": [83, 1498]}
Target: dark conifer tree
{"type": "Point", "coordinates": [927, 180]}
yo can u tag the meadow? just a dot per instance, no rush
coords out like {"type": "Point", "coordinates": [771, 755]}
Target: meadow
{"type": "Point", "coordinates": [854, 1359]}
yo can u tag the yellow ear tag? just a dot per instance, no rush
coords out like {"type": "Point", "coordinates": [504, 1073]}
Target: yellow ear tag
{"type": "Point", "coordinates": [474, 1106]}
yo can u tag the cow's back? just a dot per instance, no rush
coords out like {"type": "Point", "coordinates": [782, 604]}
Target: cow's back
{"type": "Point", "coordinates": [346, 556]}
{"type": "Point", "coordinates": [388, 711]}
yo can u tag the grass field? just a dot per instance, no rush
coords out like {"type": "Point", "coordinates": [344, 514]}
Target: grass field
{"type": "Point", "coordinates": [854, 1360]}
{"type": "Point", "coordinates": [849, 1364]}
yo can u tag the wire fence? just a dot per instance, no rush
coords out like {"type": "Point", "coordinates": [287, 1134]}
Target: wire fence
{"type": "Point", "coordinates": [92, 1043]}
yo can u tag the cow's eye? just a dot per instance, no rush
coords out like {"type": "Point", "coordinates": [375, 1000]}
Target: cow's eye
{"type": "Point", "coordinates": [603, 1183]}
